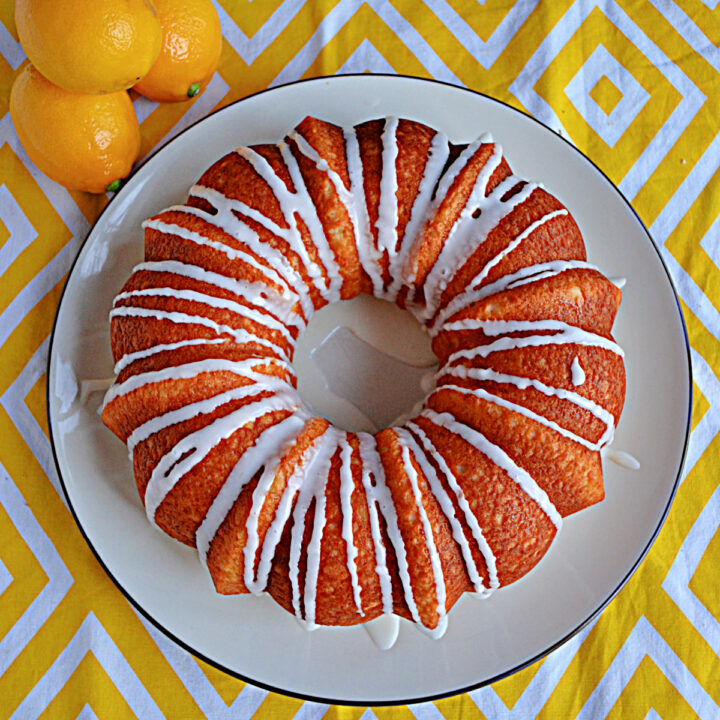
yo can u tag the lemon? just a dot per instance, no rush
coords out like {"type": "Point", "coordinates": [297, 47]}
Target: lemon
{"type": "Point", "coordinates": [84, 142]}
{"type": "Point", "coordinates": [89, 47]}
{"type": "Point", "coordinates": [190, 52]}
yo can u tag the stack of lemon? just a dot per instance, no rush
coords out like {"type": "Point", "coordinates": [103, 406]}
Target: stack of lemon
{"type": "Point", "coordinates": [69, 104]}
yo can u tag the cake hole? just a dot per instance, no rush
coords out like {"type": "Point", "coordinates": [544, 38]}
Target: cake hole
{"type": "Point", "coordinates": [477, 213]}
{"type": "Point", "coordinates": [360, 364]}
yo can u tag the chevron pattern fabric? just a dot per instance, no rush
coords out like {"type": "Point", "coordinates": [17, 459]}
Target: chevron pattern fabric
{"type": "Point", "coordinates": [635, 85]}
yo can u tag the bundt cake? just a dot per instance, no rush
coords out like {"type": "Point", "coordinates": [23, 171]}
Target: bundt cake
{"type": "Point", "coordinates": [342, 527]}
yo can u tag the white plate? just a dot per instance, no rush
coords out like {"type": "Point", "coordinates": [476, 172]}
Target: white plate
{"type": "Point", "coordinates": [251, 637]}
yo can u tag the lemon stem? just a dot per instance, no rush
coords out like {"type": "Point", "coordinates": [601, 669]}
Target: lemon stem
{"type": "Point", "coordinates": [114, 186]}
{"type": "Point", "coordinates": [193, 90]}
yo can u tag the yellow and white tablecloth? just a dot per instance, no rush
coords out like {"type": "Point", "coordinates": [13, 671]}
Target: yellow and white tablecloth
{"type": "Point", "coordinates": [635, 84]}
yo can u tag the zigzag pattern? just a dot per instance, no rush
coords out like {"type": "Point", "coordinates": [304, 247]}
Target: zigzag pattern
{"type": "Point", "coordinates": [634, 85]}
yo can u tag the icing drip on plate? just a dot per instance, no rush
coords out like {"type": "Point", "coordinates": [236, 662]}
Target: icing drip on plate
{"type": "Point", "coordinates": [622, 458]}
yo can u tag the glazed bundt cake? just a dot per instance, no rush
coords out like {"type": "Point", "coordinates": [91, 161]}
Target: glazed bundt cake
{"type": "Point", "coordinates": [342, 527]}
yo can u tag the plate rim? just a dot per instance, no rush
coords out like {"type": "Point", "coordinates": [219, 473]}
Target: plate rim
{"type": "Point", "coordinates": [370, 702]}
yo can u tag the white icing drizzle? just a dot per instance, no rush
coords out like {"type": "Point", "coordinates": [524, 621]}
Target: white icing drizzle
{"type": "Point", "coordinates": [437, 157]}
{"type": "Point", "coordinates": [522, 410]}
{"type": "Point", "coordinates": [381, 496]}
{"type": "Point", "coordinates": [258, 294]}
{"type": "Point", "coordinates": [306, 209]}
{"type": "Point", "coordinates": [564, 334]}
{"type": "Point", "coordinates": [516, 242]}
{"type": "Point", "coordinates": [368, 254]}
{"type": "Point", "coordinates": [622, 458]}
{"type": "Point", "coordinates": [347, 486]}
{"type": "Point", "coordinates": [458, 164]}
{"type": "Point", "coordinates": [371, 465]}
{"type": "Point", "coordinates": [406, 441]}
{"type": "Point", "coordinates": [275, 306]}
{"type": "Point", "coordinates": [312, 488]}
{"type": "Point", "coordinates": [195, 447]}
{"type": "Point", "coordinates": [446, 506]}
{"type": "Point", "coordinates": [401, 271]}
{"type": "Point", "coordinates": [469, 232]}
{"type": "Point", "coordinates": [244, 368]}
{"type": "Point", "coordinates": [240, 335]}
{"type": "Point", "coordinates": [132, 357]}
{"type": "Point", "coordinates": [522, 383]}
{"type": "Point", "coordinates": [233, 226]}
{"type": "Point", "coordinates": [290, 203]}
{"type": "Point", "coordinates": [480, 277]}
{"type": "Point", "coordinates": [383, 630]}
{"type": "Point", "coordinates": [268, 450]}
{"type": "Point", "coordinates": [530, 274]}
{"type": "Point", "coordinates": [314, 551]}
{"type": "Point", "coordinates": [618, 282]}
{"type": "Point", "coordinates": [217, 303]}
{"type": "Point", "coordinates": [470, 519]}
{"type": "Point", "coordinates": [345, 196]}
{"type": "Point", "coordinates": [256, 580]}
{"type": "Point", "coordinates": [388, 206]}
{"type": "Point", "coordinates": [201, 407]}
{"type": "Point", "coordinates": [232, 253]}
{"type": "Point", "coordinates": [577, 374]}
{"type": "Point", "coordinates": [500, 458]}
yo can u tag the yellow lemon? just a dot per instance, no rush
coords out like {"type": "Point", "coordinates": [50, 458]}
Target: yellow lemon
{"type": "Point", "coordinates": [84, 142]}
{"type": "Point", "coordinates": [191, 46]}
{"type": "Point", "coordinates": [89, 47]}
